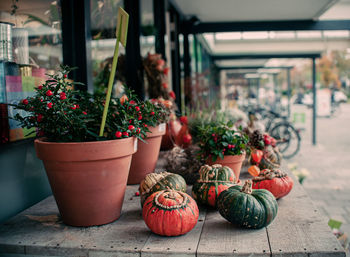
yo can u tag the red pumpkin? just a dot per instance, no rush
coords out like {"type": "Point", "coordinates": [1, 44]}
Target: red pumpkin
{"type": "Point", "coordinates": [276, 181]}
{"type": "Point", "coordinates": [170, 213]}
{"type": "Point", "coordinates": [173, 128]}
{"type": "Point", "coordinates": [184, 138]}
{"type": "Point", "coordinates": [257, 155]}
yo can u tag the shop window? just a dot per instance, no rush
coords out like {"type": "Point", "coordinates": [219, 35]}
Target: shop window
{"type": "Point", "coordinates": [30, 48]}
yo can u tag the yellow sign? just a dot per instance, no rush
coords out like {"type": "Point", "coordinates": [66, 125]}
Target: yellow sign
{"type": "Point", "coordinates": [121, 33]}
{"type": "Point", "coordinates": [122, 26]}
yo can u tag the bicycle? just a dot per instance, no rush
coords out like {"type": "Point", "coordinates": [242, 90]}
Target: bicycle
{"type": "Point", "coordinates": [287, 137]}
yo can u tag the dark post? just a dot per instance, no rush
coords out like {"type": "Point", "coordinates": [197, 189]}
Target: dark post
{"type": "Point", "coordinates": [159, 23]}
{"type": "Point", "coordinates": [133, 63]}
{"type": "Point", "coordinates": [76, 40]}
{"type": "Point", "coordinates": [257, 92]}
{"type": "Point", "coordinates": [175, 56]}
{"type": "Point", "coordinates": [288, 90]}
{"type": "Point", "coordinates": [275, 89]}
{"type": "Point", "coordinates": [314, 110]}
{"type": "Point", "coordinates": [187, 69]}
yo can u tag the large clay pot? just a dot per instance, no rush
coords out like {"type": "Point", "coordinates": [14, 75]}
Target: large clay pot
{"type": "Point", "coordinates": [145, 159]}
{"type": "Point", "coordinates": [88, 179]}
{"type": "Point", "coordinates": [232, 161]}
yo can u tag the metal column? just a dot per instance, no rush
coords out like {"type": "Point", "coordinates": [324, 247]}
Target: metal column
{"type": "Point", "coordinates": [159, 23]}
{"type": "Point", "coordinates": [314, 109]}
{"type": "Point", "coordinates": [288, 90]}
{"type": "Point", "coordinates": [187, 70]}
{"type": "Point", "coordinates": [76, 41]}
{"type": "Point", "coordinates": [175, 56]}
{"type": "Point", "coordinates": [134, 68]}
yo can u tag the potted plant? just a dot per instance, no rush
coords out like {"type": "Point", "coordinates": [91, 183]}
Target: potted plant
{"type": "Point", "coordinates": [87, 173]}
{"type": "Point", "coordinates": [154, 114]}
{"type": "Point", "coordinates": [221, 144]}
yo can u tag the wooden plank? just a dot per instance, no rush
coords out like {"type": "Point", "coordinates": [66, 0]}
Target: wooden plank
{"type": "Point", "coordinates": [221, 238]}
{"type": "Point", "coordinates": [185, 245]}
{"type": "Point", "coordinates": [299, 230]}
{"type": "Point", "coordinates": [38, 231]}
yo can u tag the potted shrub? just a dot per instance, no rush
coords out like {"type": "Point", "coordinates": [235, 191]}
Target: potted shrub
{"type": "Point", "coordinates": [221, 144]}
{"type": "Point", "coordinates": [87, 173]}
{"type": "Point", "coordinates": [154, 114]}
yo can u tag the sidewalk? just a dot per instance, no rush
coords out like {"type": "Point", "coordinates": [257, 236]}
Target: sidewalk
{"type": "Point", "coordinates": [328, 163]}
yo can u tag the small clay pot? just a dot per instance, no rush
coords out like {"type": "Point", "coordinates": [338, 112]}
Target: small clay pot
{"type": "Point", "coordinates": [88, 179]}
{"type": "Point", "coordinates": [232, 161]}
{"type": "Point", "coordinates": [145, 159]}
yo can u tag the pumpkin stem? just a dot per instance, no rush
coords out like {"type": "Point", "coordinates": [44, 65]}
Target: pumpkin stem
{"type": "Point", "coordinates": [247, 187]}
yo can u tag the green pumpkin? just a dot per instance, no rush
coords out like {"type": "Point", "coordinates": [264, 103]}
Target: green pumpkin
{"type": "Point", "coordinates": [247, 207]}
{"type": "Point", "coordinates": [212, 181]}
{"type": "Point", "coordinates": [155, 182]}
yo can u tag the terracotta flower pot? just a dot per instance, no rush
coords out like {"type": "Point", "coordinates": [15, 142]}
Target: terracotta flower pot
{"type": "Point", "coordinates": [88, 179]}
{"type": "Point", "coordinates": [232, 161]}
{"type": "Point", "coordinates": [145, 159]}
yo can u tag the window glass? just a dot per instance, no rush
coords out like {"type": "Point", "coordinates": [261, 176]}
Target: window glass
{"type": "Point", "coordinates": [30, 47]}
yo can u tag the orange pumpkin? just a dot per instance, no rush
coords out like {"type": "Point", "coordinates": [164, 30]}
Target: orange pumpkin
{"type": "Point", "coordinates": [254, 170]}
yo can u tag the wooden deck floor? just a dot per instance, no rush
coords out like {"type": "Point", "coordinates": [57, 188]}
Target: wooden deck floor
{"type": "Point", "coordinates": [298, 230]}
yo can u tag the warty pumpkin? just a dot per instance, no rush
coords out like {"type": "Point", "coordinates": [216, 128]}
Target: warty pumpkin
{"type": "Point", "coordinates": [154, 182]}
{"type": "Point", "coordinates": [212, 181]}
{"type": "Point", "coordinates": [247, 207]}
{"type": "Point", "coordinates": [170, 213]}
{"type": "Point", "coordinates": [276, 181]}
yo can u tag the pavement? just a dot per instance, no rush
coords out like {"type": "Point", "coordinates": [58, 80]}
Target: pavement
{"type": "Point", "coordinates": [327, 164]}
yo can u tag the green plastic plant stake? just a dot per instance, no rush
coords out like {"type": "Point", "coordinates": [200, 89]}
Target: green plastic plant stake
{"type": "Point", "coordinates": [121, 34]}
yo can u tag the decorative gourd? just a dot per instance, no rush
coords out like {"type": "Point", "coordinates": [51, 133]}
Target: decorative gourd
{"type": "Point", "coordinates": [247, 207]}
{"type": "Point", "coordinates": [254, 170]}
{"type": "Point", "coordinates": [170, 213]}
{"type": "Point", "coordinates": [154, 182]}
{"type": "Point", "coordinates": [276, 181]}
{"type": "Point", "coordinates": [271, 159]}
{"type": "Point", "coordinates": [212, 181]}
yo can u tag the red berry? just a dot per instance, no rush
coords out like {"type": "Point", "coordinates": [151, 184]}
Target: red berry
{"type": "Point", "coordinates": [160, 62]}
{"type": "Point", "coordinates": [49, 93]}
{"type": "Point", "coordinates": [39, 117]}
{"type": "Point", "coordinates": [172, 95]}
{"type": "Point", "coordinates": [85, 113]}
{"type": "Point", "coordinates": [130, 121]}
{"type": "Point", "coordinates": [165, 85]}
{"type": "Point", "coordinates": [131, 127]}
{"type": "Point", "coordinates": [145, 125]}
{"type": "Point", "coordinates": [137, 108]}
{"type": "Point", "coordinates": [132, 102]}
{"type": "Point", "coordinates": [152, 113]}
{"type": "Point", "coordinates": [138, 130]}
{"type": "Point", "coordinates": [77, 106]}
{"type": "Point", "coordinates": [74, 107]}
{"type": "Point", "coordinates": [65, 76]}
{"type": "Point", "coordinates": [213, 135]}
{"type": "Point", "coordinates": [187, 138]}
{"type": "Point", "coordinates": [126, 134]}
{"type": "Point", "coordinates": [63, 95]}
{"type": "Point", "coordinates": [118, 134]}
{"type": "Point", "coordinates": [25, 101]}
{"type": "Point", "coordinates": [139, 118]}
{"type": "Point", "coordinates": [40, 87]}
{"type": "Point", "coordinates": [137, 193]}
{"type": "Point", "coordinates": [184, 120]}
{"type": "Point", "coordinates": [166, 70]}
{"type": "Point", "coordinates": [49, 105]}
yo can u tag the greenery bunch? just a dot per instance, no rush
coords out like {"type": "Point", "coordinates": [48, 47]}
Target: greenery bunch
{"type": "Point", "coordinates": [220, 139]}
{"type": "Point", "coordinates": [61, 114]}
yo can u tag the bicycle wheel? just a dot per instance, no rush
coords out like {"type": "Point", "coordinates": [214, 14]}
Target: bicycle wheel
{"type": "Point", "coordinates": [288, 139]}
